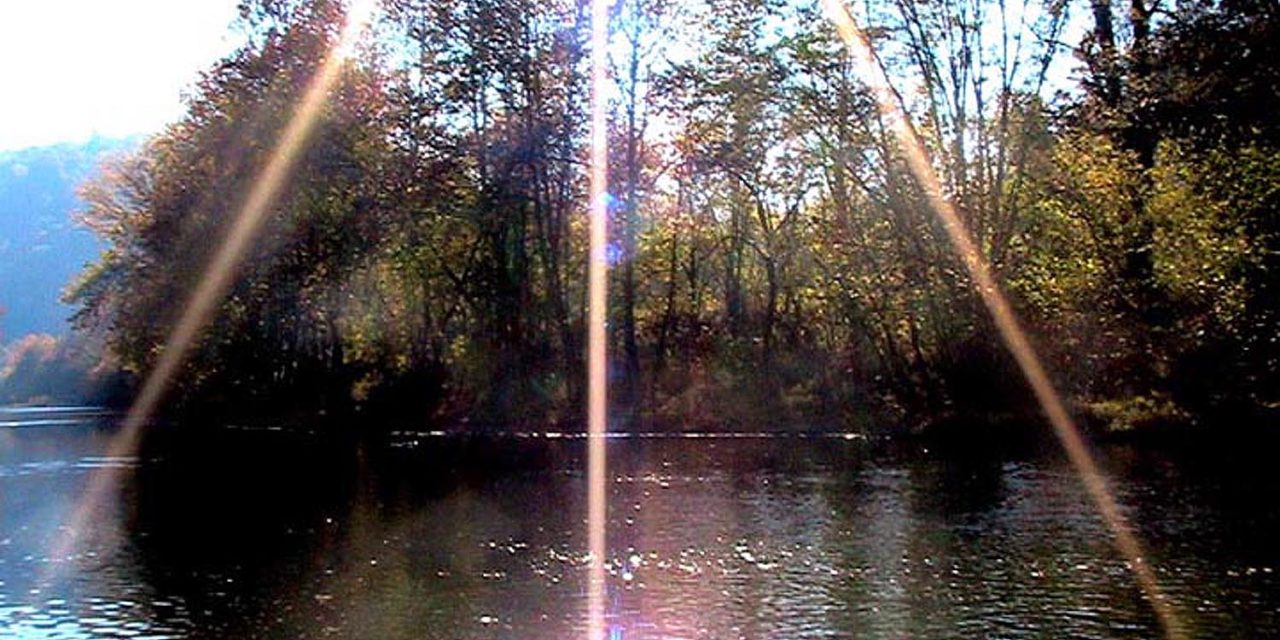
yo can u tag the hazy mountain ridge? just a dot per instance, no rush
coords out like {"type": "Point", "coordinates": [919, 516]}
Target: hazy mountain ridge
{"type": "Point", "coordinates": [41, 247]}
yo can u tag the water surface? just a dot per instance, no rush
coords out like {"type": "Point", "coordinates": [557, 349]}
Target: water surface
{"type": "Point", "coordinates": [268, 534]}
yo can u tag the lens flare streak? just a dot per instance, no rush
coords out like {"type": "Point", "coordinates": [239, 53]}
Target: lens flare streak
{"type": "Point", "coordinates": [201, 305]}
{"type": "Point", "coordinates": [1011, 332]}
{"type": "Point", "coordinates": [598, 267]}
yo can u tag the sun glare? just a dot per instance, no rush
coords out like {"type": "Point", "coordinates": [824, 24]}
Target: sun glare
{"type": "Point", "coordinates": [359, 16]}
{"type": "Point", "coordinates": [597, 357]}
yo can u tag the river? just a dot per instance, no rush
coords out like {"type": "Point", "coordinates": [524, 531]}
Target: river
{"type": "Point", "coordinates": [242, 533]}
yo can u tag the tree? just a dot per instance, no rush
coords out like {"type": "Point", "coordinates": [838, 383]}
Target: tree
{"type": "Point", "coordinates": [277, 338]}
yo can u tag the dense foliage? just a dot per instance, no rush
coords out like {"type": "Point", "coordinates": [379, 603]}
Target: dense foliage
{"type": "Point", "coordinates": [775, 262]}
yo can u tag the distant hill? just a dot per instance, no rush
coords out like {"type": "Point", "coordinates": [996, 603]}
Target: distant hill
{"type": "Point", "coordinates": [41, 249]}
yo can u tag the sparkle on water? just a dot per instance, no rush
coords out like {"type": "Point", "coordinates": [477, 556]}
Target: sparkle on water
{"type": "Point", "coordinates": [711, 537]}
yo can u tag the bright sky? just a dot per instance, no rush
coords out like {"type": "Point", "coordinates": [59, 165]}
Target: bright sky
{"type": "Point", "coordinates": [70, 69]}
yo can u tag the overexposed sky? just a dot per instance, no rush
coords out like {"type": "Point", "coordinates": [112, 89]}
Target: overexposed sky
{"type": "Point", "coordinates": [70, 69]}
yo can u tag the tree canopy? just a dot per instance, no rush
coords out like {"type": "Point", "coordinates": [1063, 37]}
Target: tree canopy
{"type": "Point", "coordinates": [775, 263]}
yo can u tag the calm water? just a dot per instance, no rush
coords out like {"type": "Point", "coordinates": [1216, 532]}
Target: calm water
{"type": "Point", "coordinates": [267, 534]}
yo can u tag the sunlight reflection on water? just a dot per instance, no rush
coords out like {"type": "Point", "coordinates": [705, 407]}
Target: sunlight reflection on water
{"type": "Point", "coordinates": [268, 533]}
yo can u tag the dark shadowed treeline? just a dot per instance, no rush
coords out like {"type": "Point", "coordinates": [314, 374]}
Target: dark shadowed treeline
{"type": "Point", "coordinates": [775, 264]}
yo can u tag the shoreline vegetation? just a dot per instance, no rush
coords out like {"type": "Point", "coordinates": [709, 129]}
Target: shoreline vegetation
{"type": "Point", "coordinates": [774, 264]}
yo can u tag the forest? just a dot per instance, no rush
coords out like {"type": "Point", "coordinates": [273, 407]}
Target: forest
{"type": "Point", "coordinates": [774, 264]}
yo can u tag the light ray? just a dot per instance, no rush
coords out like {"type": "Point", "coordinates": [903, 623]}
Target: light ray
{"type": "Point", "coordinates": [598, 268]}
{"type": "Point", "coordinates": [1011, 332]}
{"type": "Point", "coordinates": [201, 305]}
